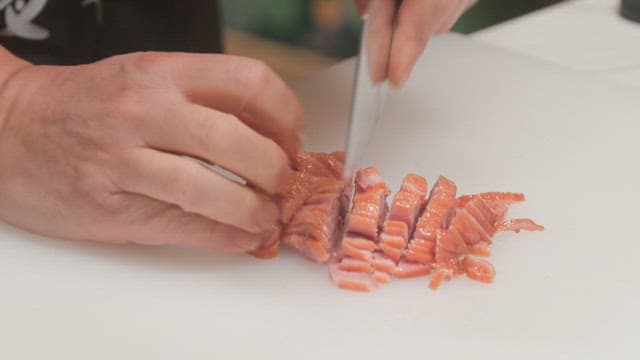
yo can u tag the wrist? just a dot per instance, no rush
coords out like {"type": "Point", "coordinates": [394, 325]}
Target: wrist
{"type": "Point", "coordinates": [9, 65]}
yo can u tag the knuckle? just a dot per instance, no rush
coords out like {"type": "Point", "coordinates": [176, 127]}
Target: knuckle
{"type": "Point", "coordinates": [93, 182]}
{"type": "Point", "coordinates": [124, 94]}
{"type": "Point", "coordinates": [151, 61]}
{"type": "Point", "coordinates": [257, 76]}
{"type": "Point", "coordinates": [182, 185]}
{"type": "Point", "coordinates": [219, 132]}
{"type": "Point", "coordinates": [127, 102]}
{"type": "Point", "coordinates": [442, 5]}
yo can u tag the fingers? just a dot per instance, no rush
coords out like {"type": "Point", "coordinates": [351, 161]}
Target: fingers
{"type": "Point", "coordinates": [195, 189]}
{"type": "Point", "coordinates": [361, 5]}
{"type": "Point", "coordinates": [454, 15]}
{"type": "Point", "coordinates": [220, 139]}
{"type": "Point", "coordinates": [416, 21]}
{"type": "Point", "coordinates": [380, 18]}
{"type": "Point", "coordinates": [244, 87]}
{"type": "Point", "coordinates": [159, 223]}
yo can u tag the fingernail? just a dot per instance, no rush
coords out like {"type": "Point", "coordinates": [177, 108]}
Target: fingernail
{"type": "Point", "coordinates": [248, 243]}
{"type": "Point", "coordinates": [268, 216]}
{"type": "Point", "coordinates": [271, 236]}
{"type": "Point", "coordinates": [404, 76]}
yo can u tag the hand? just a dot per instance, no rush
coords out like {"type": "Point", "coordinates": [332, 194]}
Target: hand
{"type": "Point", "coordinates": [415, 23]}
{"type": "Point", "coordinates": [95, 151]}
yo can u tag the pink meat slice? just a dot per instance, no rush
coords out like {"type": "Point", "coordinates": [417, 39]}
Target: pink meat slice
{"type": "Point", "coordinates": [517, 225]}
{"type": "Point", "coordinates": [314, 204]}
{"type": "Point", "coordinates": [450, 247]}
{"type": "Point", "coordinates": [314, 230]}
{"type": "Point", "coordinates": [358, 242]}
{"type": "Point", "coordinates": [409, 269]}
{"type": "Point", "coordinates": [403, 213]}
{"type": "Point", "coordinates": [361, 232]}
{"type": "Point", "coordinates": [407, 203]}
{"type": "Point", "coordinates": [313, 170]}
{"type": "Point", "coordinates": [349, 250]}
{"type": "Point", "coordinates": [381, 277]}
{"type": "Point", "coordinates": [478, 269]}
{"type": "Point", "coordinates": [353, 264]}
{"type": "Point", "coordinates": [506, 198]}
{"type": "Point", "coordinates": [469, 227]}
{"type": "Point", "coordinates": [383, 263]}
{"type": "Point", "coordinates": [407, 239]}
{"type": "Point", "coordinates": [394, 233]}
{"type": "Point", "coordinates": [352, 280]}
{"type": "Point", "coordinates": [422, 246]}
{"type": "Point", "coordinates": [369, 204]}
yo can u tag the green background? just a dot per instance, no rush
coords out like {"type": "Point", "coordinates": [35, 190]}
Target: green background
{"type": "Point", "coordinates": [292, 21]}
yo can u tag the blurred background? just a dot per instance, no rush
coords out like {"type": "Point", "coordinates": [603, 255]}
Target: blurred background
{"type": "Point", "coordinates": [298, 36]}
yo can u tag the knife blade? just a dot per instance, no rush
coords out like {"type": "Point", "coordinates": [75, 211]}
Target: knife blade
{"type": "Point", "coordinates": [370, 85]}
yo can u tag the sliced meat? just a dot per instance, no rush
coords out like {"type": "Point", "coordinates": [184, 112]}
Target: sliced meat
{"type": "Point", "coordinates": [312, 171]}
{"type": "Point", "coordinates": [408, 269]}
{"type": "Point", "coordinates": [483, 214]}
{"type": "Point", "coordinates": [314, 205]}
{"type": "Point", "coordinates": [381, 277]}
{"type": "Point", "coordinates": [419, 253]}
{"type": "Point", "coordinates": [403, 213]}
{"type": "Point", "coordinates": [358, 242]}
{"type": "Point", "coordinates": [383, 263]}
{"type": "Point", "coordinates": [480, 249]}
{"type": "Point", "coordinates": [407, 203]}
{"type": "Point", "coordinates": [314, 229]}
{"type": "Point", "coordinates": [450, 248]}
{"type": "Point", "coordinates": [369, 178]}
{"type": "Point", "coordinates": [469, 227]}
{"type": "Point", "coordinates": [320, 164]}
{"type": "Point", "coordinates": [391, 251]}
{"type": "Point", "coordinates": [361, 231]}
{"type": "Point", "coordinates": [394, 233]}
{"type": "Point", "coordinates": [471, 224]}
{"type": "Point", "coordinates": [353, 264]}
{"type": "Point", "coordinates": [349, 250]}
{"type": "Point", "coordinates": [369, 204]}
{"type": "Point", "coordinates": [506, 198]}
{"type": "Point", "coordinates": [519, 224]}
{"type": "Point", "coordinates": [478, 269]}
{"type": "Point", "coordinates": [352, 280]}
{"type": "Point", "coordinates": [408, 239]}
{"type": "Point", "coordinates": [441, 199]}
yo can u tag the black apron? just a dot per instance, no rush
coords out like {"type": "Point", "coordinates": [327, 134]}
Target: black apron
{"type": "Point", "coordinates": [82, 31]}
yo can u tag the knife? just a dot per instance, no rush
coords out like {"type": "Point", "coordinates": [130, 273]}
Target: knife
{"type": "Point", "coordinates": [370, 84]}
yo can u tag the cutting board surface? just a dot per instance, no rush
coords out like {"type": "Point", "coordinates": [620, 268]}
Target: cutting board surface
{"type": "Point", "coordinates": [488, 119]}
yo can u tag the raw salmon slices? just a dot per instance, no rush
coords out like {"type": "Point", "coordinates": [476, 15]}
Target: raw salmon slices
{"type": "Point", "coordinates": [372, 242]}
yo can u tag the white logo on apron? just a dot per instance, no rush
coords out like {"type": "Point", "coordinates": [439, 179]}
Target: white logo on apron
{"type": "Point", "coordinates": [18, 15]}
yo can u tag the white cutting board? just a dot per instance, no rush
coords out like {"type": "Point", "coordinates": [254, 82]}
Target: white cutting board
{"type": "Point", "coordinates": [484, 117]}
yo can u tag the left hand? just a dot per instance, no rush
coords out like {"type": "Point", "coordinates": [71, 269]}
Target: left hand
{"type": "Point", "coordinates": [416, 22]}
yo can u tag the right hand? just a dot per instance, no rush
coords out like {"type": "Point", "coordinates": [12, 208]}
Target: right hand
{"type": "Point", "coordinates": [93, 152]}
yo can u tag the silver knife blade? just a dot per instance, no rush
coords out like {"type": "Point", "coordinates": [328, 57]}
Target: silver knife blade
{"type": "Point", "coordinates": [370, 85]}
